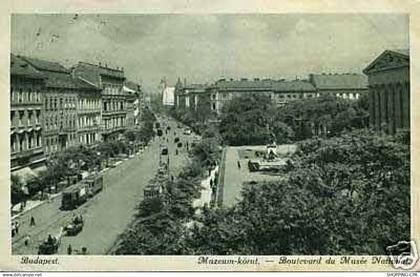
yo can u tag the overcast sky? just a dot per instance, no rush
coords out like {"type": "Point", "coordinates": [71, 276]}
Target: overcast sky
{"type": "Point", "coordinates": [204, 48]}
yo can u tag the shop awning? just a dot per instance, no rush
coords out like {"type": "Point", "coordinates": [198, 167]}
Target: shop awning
{"type": "Point", "coordinates": [25, 175]}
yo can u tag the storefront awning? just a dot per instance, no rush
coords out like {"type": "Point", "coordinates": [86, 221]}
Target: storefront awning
{"type": "Point", "coordinates": [26, 175]}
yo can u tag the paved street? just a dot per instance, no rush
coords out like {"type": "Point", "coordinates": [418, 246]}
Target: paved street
{"type": "Point", "coordinates": [108, 213]}
{"type": "Point", "coordinates": [234, 177]}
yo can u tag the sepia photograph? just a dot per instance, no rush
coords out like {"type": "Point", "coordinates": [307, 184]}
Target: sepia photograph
{"type": "Point", "coordinates": [210, 134]}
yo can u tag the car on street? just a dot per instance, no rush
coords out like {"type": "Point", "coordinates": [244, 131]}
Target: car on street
{"type": "Point", "coordinates": [187, 131]}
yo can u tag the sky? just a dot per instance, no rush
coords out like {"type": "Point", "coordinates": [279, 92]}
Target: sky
{"type": "Point", "coordinates": [205, 48]}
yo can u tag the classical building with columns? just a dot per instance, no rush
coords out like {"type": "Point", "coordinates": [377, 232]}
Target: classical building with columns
{"type": "Point", "coordinates": [389, 91]}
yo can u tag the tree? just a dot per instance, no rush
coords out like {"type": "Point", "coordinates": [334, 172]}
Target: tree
{"type": "Point", "coordinates": [245, 120]}
{"type": "Point", "coordinates": [347, 195]}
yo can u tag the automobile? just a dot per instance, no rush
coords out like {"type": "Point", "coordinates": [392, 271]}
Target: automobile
{"type": "Point", "coordinates": [75, 226]}
{"type": "Point", "coordinates": [159, 132]}
{"type": "Point", "coordinates": [164, 151]}
{"type": "Point", "coordinates": [51, 244]}
{"type": "Point", "coordinates": [179, 144]}
{"type": "Point", "coordinates": [187, 132]}
{"type": "Point", "coordinates": [176, 140]}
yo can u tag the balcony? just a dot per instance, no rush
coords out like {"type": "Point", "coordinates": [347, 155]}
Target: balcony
{"type": "Point", "coordinates": [27, 153]}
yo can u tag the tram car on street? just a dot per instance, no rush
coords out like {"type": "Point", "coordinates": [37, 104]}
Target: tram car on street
{"type": "Point", "coordinates": [74, 196]}
{"type": "Point", "coordinates": [95, 184]}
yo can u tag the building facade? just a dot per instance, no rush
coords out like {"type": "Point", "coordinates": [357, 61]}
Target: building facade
{"type": "Point", "coordinates": [286, 91]}
{"type": "Point", "coordinates": [389, 91]}
{"type": "Point", "coordinates": [114, 99]}
{"type": "Point", "coordinates": [26, 106]}
{"type": "Point", "coordinates": [59, 105]}
{"type": "Point", "coordinates": [89, 107]}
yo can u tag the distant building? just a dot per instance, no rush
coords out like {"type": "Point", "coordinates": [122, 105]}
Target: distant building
{"type": "Point", "coordinates": [347, 85]}
{"type": "Point", "coordinates": [133, 110]}
{"type": "Point", "coordinates": [286, 91]}
{"type": "Point", "coordinates": [389, 91]}
{"type": "Point", "coordinates": [168, 96]}
{"type": "Point", "coordinates": [225, 90]}
{"type": "Point", "coordinates": [191, 96]}
{"type": "Point", "coordinates": [26, 101]}
{"type": "Point", "coordinates": [115, 101]}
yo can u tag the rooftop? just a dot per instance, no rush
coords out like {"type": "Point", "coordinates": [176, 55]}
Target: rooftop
{"type": "Point", "coordinates": [339, 81]}
{"type": "Point", "coordinates": [20, 67]}
{"type": "Point", "coordinates": [43, 65]}
{"type": "Point", "coordinates": [296, 85]}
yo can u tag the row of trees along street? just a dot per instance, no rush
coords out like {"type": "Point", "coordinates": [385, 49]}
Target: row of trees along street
{"type": "Point", "coordinates": [346, 190]}
{"type": "Point", "coordinates": [73, 160]}
{"type": "Point", "coordinates": [159, 226]}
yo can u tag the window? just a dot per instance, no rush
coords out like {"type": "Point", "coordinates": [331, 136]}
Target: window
{"type": "Point", "coordinates": [213, 106]}
{"type": "Point", "coordinates": [20, 96]}
{"type": "Point", "coordinates": [12, 117]}
{"type": "Point", "coordinates": [21, 115]}
{"type": "Point", "coordinates": [29, 95]}
{"type": "Point", "coordinates": [29, 118]}
{"type": "Point", "coordinates": [37, 114]}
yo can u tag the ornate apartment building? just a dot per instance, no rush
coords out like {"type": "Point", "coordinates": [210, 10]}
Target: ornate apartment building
{"type": "Point", "coordinates": [26, 132]}
{"type": "Point", "coordinates": [389, 91]}
{"type": "Point", "coordinates": [115, 104]}
{"type": "Point", "coordinates": [89, 106]}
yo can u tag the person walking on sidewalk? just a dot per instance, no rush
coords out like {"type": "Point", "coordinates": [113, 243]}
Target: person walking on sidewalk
{"type": "Point", "coordinates": [69, 249]}
{"type": "Point", "coordinates": [32, 221]}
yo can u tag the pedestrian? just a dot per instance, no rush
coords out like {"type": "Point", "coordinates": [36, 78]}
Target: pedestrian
{"type": "Point", "coordinates": [32, 221]}
{"type": "Point", "coordinates": [17, 227]}
{"type": "Point", "coordinates": [69, 249]}
{"type": "Point", "coordinates": [239, 164]}
{"type": "Point", "coordinates": [211, 183]}
{"type": "Point", "coordinates": [27, 240]}
{"type": "Point", "coordinates": [209, 171]}
{"type": "Point", "coordinates": [84, 250]}
{"type": "Point", "coordinates": [13, 229]}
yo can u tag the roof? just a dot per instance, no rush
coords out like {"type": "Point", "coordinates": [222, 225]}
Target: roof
{"type": "Point", "coordinates": [43, 65]}
{"type": "Point", "coordinates": [405, 52]}
{"type": "Point", "coordinates": [131, 85]}
{"type": "Point", "coordinates": [105, 70]}
{"type": "Point", "coordinates": [19, 67]}
{"type": "Point", "coordinates": [339, 81]}
{"type": "Point", "coordinates": [243, 84]}
{"type": "Point", "coordinates": [389, 59]}
{"type": "Point", "coordinates": [296, 85]}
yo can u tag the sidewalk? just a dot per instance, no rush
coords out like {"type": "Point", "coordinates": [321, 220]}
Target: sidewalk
{"type": "Point", "coordinates": [205, 197]}
{"type": "Point", "coordinates": [32, 204]}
